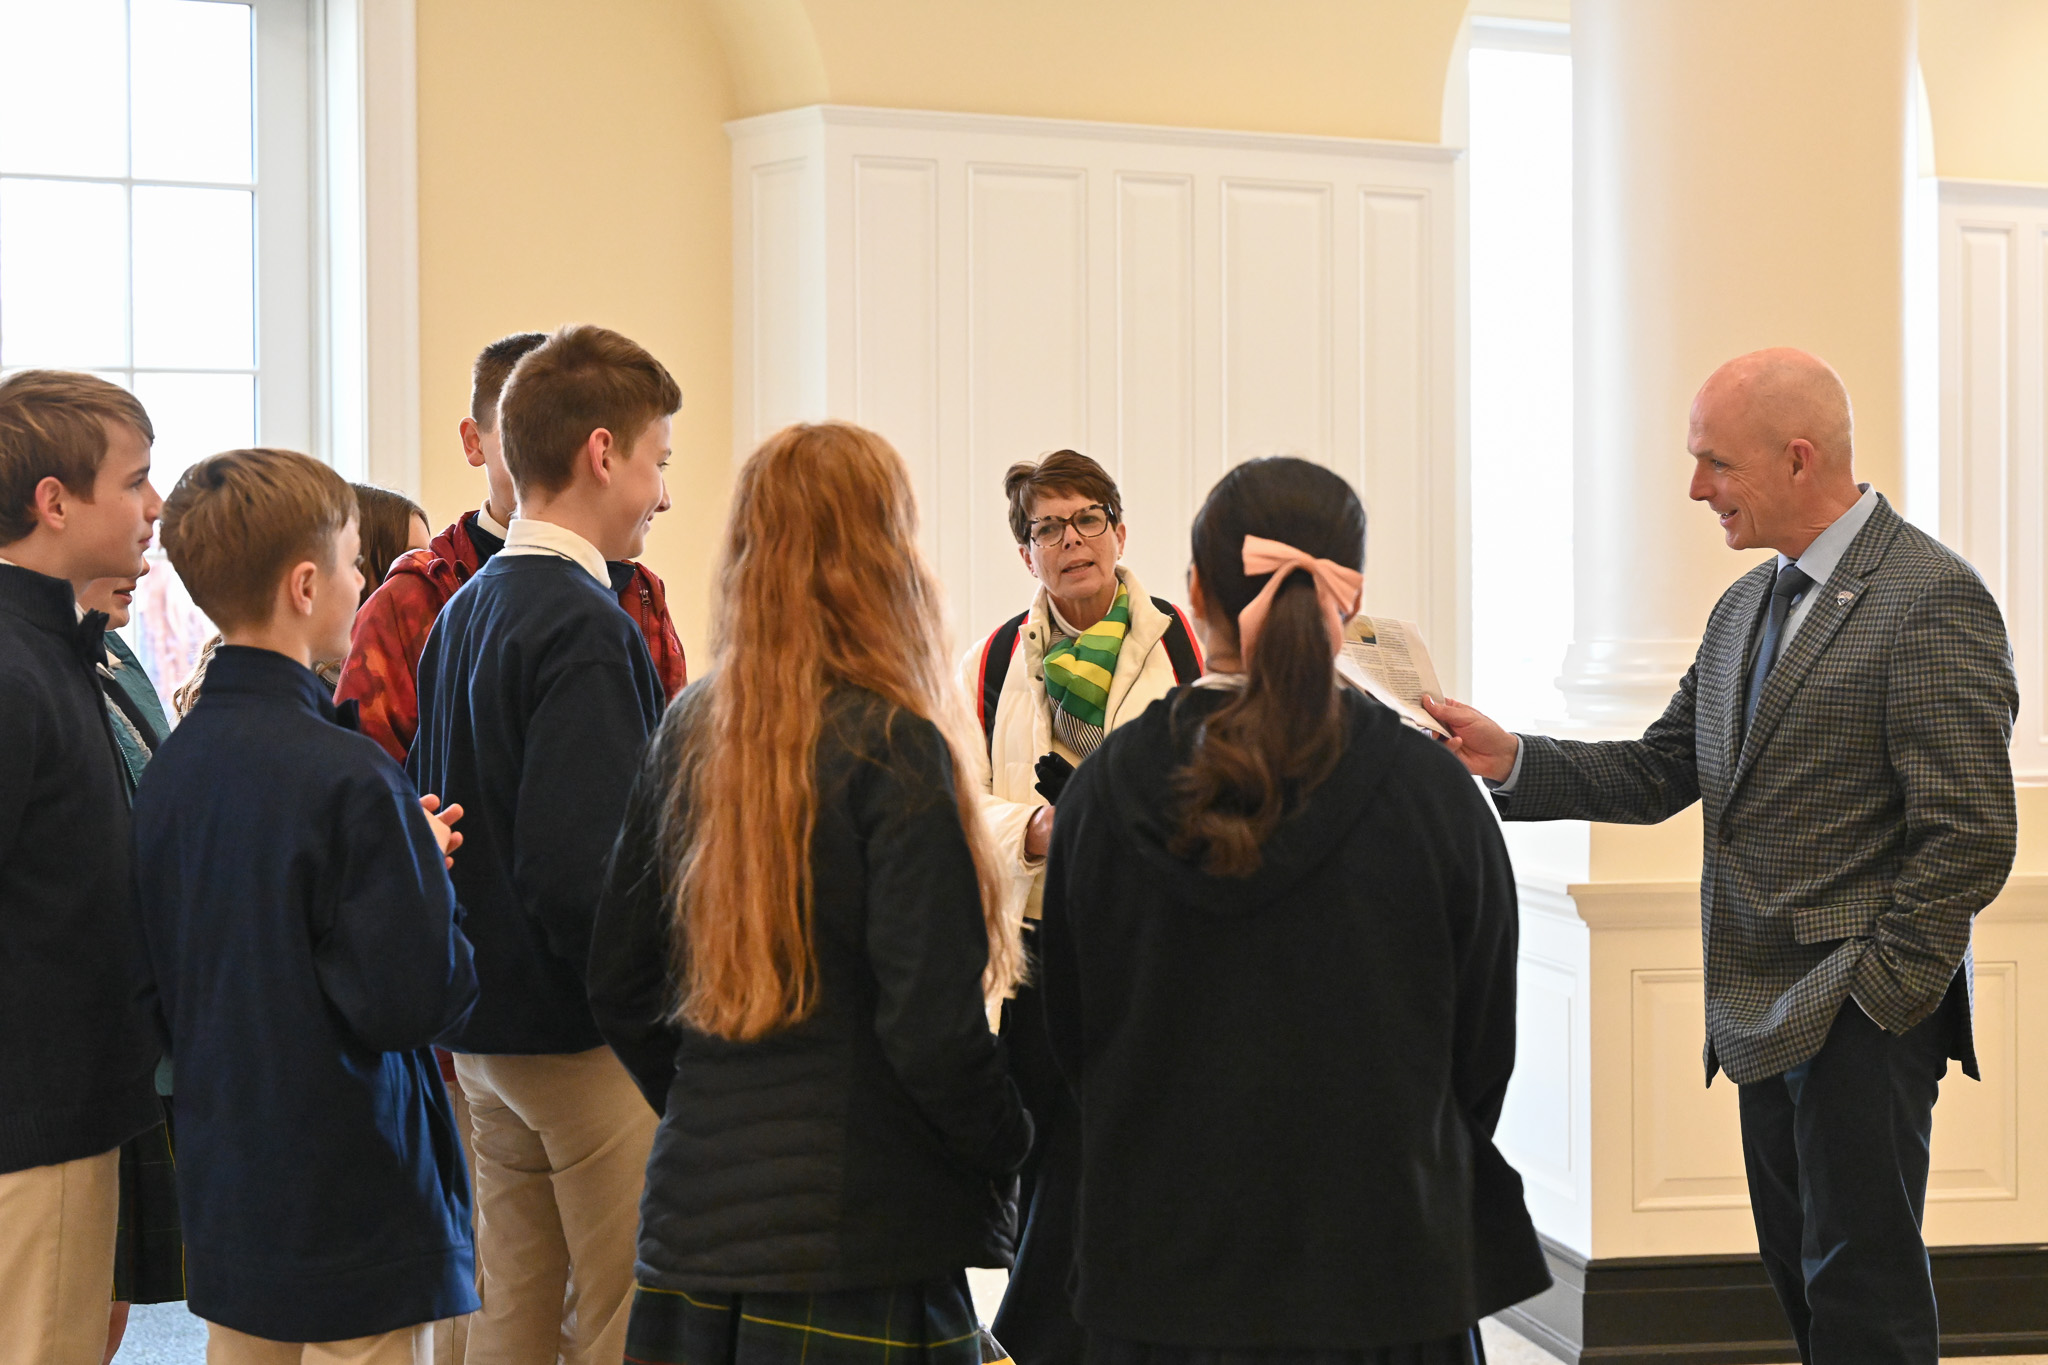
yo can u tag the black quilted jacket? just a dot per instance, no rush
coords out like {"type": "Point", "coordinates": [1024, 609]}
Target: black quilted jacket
{"type": "Point", "coordinates": [875, 1142]}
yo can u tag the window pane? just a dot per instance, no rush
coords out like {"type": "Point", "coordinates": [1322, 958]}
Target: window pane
{"type": "Point", "coordinates": [164, 629]}
{"type": "Point", "coordinates": [195, 415]}
{"type": "Point", "coordinates": [63, 274]}
{"type": "Point", "coordinates": [1521, 179]}
{"type": "Point", "coordinates": [194, 278]}
{"type": "Point", "coordinates": [192, 90]}
{"type": "Point", "coordinates": [63, 87]}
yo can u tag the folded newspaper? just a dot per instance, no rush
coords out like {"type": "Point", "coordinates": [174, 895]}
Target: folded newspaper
{"type": "Point", "coordinates": [1388, 660]}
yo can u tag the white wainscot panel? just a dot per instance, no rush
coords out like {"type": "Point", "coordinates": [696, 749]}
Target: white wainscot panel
{"type": "Point", "coordinates": [1976, 1127]}
{"type": "Point", "coordinates": [1687, 1141]}
{"type": "Point", "coordinates": [1276, 322]}
{"type": "Point", "coordinates": [1155, 383]}
{"type": "Point", "coordinates": [1994, 420]}
{"type": "Point", "coordinates": [896, 316]}
{"type": "Point", "coordinates": [984, 289]}
{"type": "Point", "coordinates": [1986, 398]}
{"type": "Point", "coordinates": [1535, 1131]}
{"type": "Point", "coordinates": [783, 315]}
{"type": "Point", "coordinates": [1393, 394]}
{"type": "Point", "coordinates": [1027, 362]}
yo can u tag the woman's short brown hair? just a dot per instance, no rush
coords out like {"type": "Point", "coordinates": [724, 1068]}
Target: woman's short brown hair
{"type": "Point", "coordinates": [1063, 471]}
{"type": "Point", "coordinates": [53, 426]}
{"type": "Point", "coordinates": [237, 521]}
{"type": "Point", "coordinates": [580, 379]}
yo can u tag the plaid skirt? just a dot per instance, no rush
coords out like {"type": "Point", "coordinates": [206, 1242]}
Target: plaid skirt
{"type": "Point", "coordinates": [1462, 1349]}
{"type": "Point", "coordinates": [149, 1247]}
{"type": "Point", "coordinates": [928, 1323]}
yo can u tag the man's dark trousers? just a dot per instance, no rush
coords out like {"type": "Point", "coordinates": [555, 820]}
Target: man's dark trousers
{"type": "Point", "coordinates": [1836, 1150]}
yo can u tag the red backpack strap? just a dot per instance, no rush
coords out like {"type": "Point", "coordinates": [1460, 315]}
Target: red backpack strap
{"type": "Point", "coordinates": [1180, 644]}
{"type": "Point", "coordinates": [1000, 645]}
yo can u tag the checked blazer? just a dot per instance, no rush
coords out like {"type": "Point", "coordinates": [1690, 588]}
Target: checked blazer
{"type": "Point", "coordinates": [1861, 821]}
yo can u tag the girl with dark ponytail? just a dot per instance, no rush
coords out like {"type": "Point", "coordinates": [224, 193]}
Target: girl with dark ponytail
{"type": "Point", "coordinates": [1279, 972]}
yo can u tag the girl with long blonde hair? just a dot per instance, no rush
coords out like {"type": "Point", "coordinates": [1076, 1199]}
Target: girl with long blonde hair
{"type": "Point", "coordinates": [801, 934]}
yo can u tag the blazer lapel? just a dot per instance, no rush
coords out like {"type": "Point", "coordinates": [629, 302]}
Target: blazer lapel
{"type": "Point", "coordinates": [1731, 665]}
{"type": "Point", "coordinates": [1834, 600]}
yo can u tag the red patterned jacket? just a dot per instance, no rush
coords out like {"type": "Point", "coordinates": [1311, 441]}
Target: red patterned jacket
{"type": "Point", "coordinates": [390, 632]}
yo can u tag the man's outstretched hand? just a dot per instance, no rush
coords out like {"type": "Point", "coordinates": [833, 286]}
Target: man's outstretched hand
{"type": "Point", "coordinates": [1486, 749]}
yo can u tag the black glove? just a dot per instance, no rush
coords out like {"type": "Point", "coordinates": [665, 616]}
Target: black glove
{"type": "Point", "coordinates": [1053, 772]}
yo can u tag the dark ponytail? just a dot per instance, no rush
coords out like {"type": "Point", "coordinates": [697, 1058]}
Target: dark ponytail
{"type": "Point", "coordinates": [1261, 753]}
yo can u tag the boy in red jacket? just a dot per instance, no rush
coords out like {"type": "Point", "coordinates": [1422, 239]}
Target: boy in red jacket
{"type": "Point", "coordinates": [382, 668]}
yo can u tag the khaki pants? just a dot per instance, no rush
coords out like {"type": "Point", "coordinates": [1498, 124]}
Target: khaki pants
{"type": "Point", "coordinates": [451, 1337]}
{"type": "Point", "coordinates": [57, 1259]}
{"type": "Point", "coordinates": [406, 1346]}
{"type": "Point", "coordinates": [561, 1148]}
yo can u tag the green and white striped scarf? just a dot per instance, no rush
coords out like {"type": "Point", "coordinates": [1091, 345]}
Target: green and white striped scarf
{"type": "Point", "coordinates": [1078, 674]}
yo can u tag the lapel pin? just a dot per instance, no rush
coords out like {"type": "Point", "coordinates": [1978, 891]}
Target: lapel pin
{"type": "Point", "coordinates": [1844, 598]}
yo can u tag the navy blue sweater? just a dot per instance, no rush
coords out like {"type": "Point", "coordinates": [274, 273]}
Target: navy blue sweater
{"type": "Point", "coordinates": [537, 696]}
{"type": "Point", "coordinates": [75, 1055]}
{"type": "Point", "coordinates": [304, 945]}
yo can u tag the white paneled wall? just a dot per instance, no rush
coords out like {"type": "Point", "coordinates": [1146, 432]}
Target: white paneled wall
{"type": "Point", "coordinates": [1994, 420]}
{"type": "Point", "coordinates": [984, 289]}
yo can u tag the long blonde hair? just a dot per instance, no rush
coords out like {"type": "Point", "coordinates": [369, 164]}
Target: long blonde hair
{"type": "Point", "coordinates": [821, 584]}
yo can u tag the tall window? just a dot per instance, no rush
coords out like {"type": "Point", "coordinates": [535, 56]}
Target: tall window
{"type": "Point", "coordinates": [155, 230]}
{"type": "Point", "coordinates": [1520, 164]}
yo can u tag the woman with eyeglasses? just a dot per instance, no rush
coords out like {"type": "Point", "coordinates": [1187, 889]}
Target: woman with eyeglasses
{"type": "Point", "coordinates": [1091, 652]}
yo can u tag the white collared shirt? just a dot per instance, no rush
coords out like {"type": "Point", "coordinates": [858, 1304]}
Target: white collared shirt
{"type": "Point", "coordinates": [488, 523]}
{"type": "Point", "coordinates": [1821, 557]}
{"type": "Point", "coordinates": [527, 536]}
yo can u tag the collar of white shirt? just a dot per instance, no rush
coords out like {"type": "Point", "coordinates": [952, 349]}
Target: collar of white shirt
{"type": "Point", "coordinates": [525, 536]}
{"type": "Point", "coordinates": [1821, 557]}
{"type": "Point", "coordinates": [486, 522]}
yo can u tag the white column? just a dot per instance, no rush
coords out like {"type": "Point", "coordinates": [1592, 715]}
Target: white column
{"type": "Point", "coordinates": [1741, 178]}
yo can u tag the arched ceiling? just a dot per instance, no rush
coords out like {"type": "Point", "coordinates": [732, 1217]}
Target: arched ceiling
{"type": "Point", "coordinates": [1347, 68]}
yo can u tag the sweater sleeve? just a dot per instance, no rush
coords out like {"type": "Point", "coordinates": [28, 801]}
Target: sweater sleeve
{"type": "Point", "coordinates": [584, 740]}
{"type": "Point", "coordinates": [393, 959]}
{"type": "Point", "coordinates": [631, 988]}
{"type": "Point", "coordinates": [928, 948]}
{"type": "Point", "coordinates": [20, 717]}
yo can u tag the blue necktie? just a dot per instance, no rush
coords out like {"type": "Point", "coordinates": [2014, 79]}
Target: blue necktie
{"type": "Point", "coordinates": [1792, 580]}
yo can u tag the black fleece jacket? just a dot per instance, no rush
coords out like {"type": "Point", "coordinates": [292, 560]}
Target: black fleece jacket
{"type": "Point", "coordinates": [873, 1143]}
{"type": "Point", "coordinates": [76, 1055]}
{"type": "Point", "coordinates": [1288, 1082]}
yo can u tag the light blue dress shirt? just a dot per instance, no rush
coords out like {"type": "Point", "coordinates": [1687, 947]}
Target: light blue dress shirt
{"type": "Point", "coordinates": [1818, 563]}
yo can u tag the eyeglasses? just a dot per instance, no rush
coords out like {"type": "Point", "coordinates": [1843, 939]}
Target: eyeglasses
{"type": "Point", "coordinates": [1090, 522]}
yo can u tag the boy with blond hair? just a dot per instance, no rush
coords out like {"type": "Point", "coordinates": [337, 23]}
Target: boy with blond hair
{"type": "Point", "coordinates": [537, 695]}
{"type": "Point", "coordinates": [304, 948]}
{"type": "Point", "coordinates": [76, 1059]}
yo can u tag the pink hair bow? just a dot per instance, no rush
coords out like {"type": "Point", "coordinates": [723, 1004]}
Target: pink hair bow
{"type": "Point", "coordinates": [1338, 589]}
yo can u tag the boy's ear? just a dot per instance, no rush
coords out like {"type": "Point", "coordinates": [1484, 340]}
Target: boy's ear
{"type": "Point", "coordinates": [53, 503]}
{"type": "Point", "coordinates": [301, 582]}
{"type": "Point", "coordinates": [472, 442]}
{"type": "Point", "coordinates": [598, 454]}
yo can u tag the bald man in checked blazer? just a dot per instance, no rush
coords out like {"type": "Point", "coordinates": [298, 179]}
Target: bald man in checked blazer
{"type": "Point", "coordinates": [1845, 725]}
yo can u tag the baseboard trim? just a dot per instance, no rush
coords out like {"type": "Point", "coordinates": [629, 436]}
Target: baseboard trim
{"type": "Point", "coordinates": [1719, 1310]}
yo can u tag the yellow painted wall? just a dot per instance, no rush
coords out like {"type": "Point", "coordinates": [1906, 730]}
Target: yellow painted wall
{"type": "Point", "coordinates": [1346, 68]}
{"type": "Point", "coordinates": [573, 168]}
{"type": "Point", "coordinates": [573, 164]}
{"type": "Point", "coordinates": [1986, 64]}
